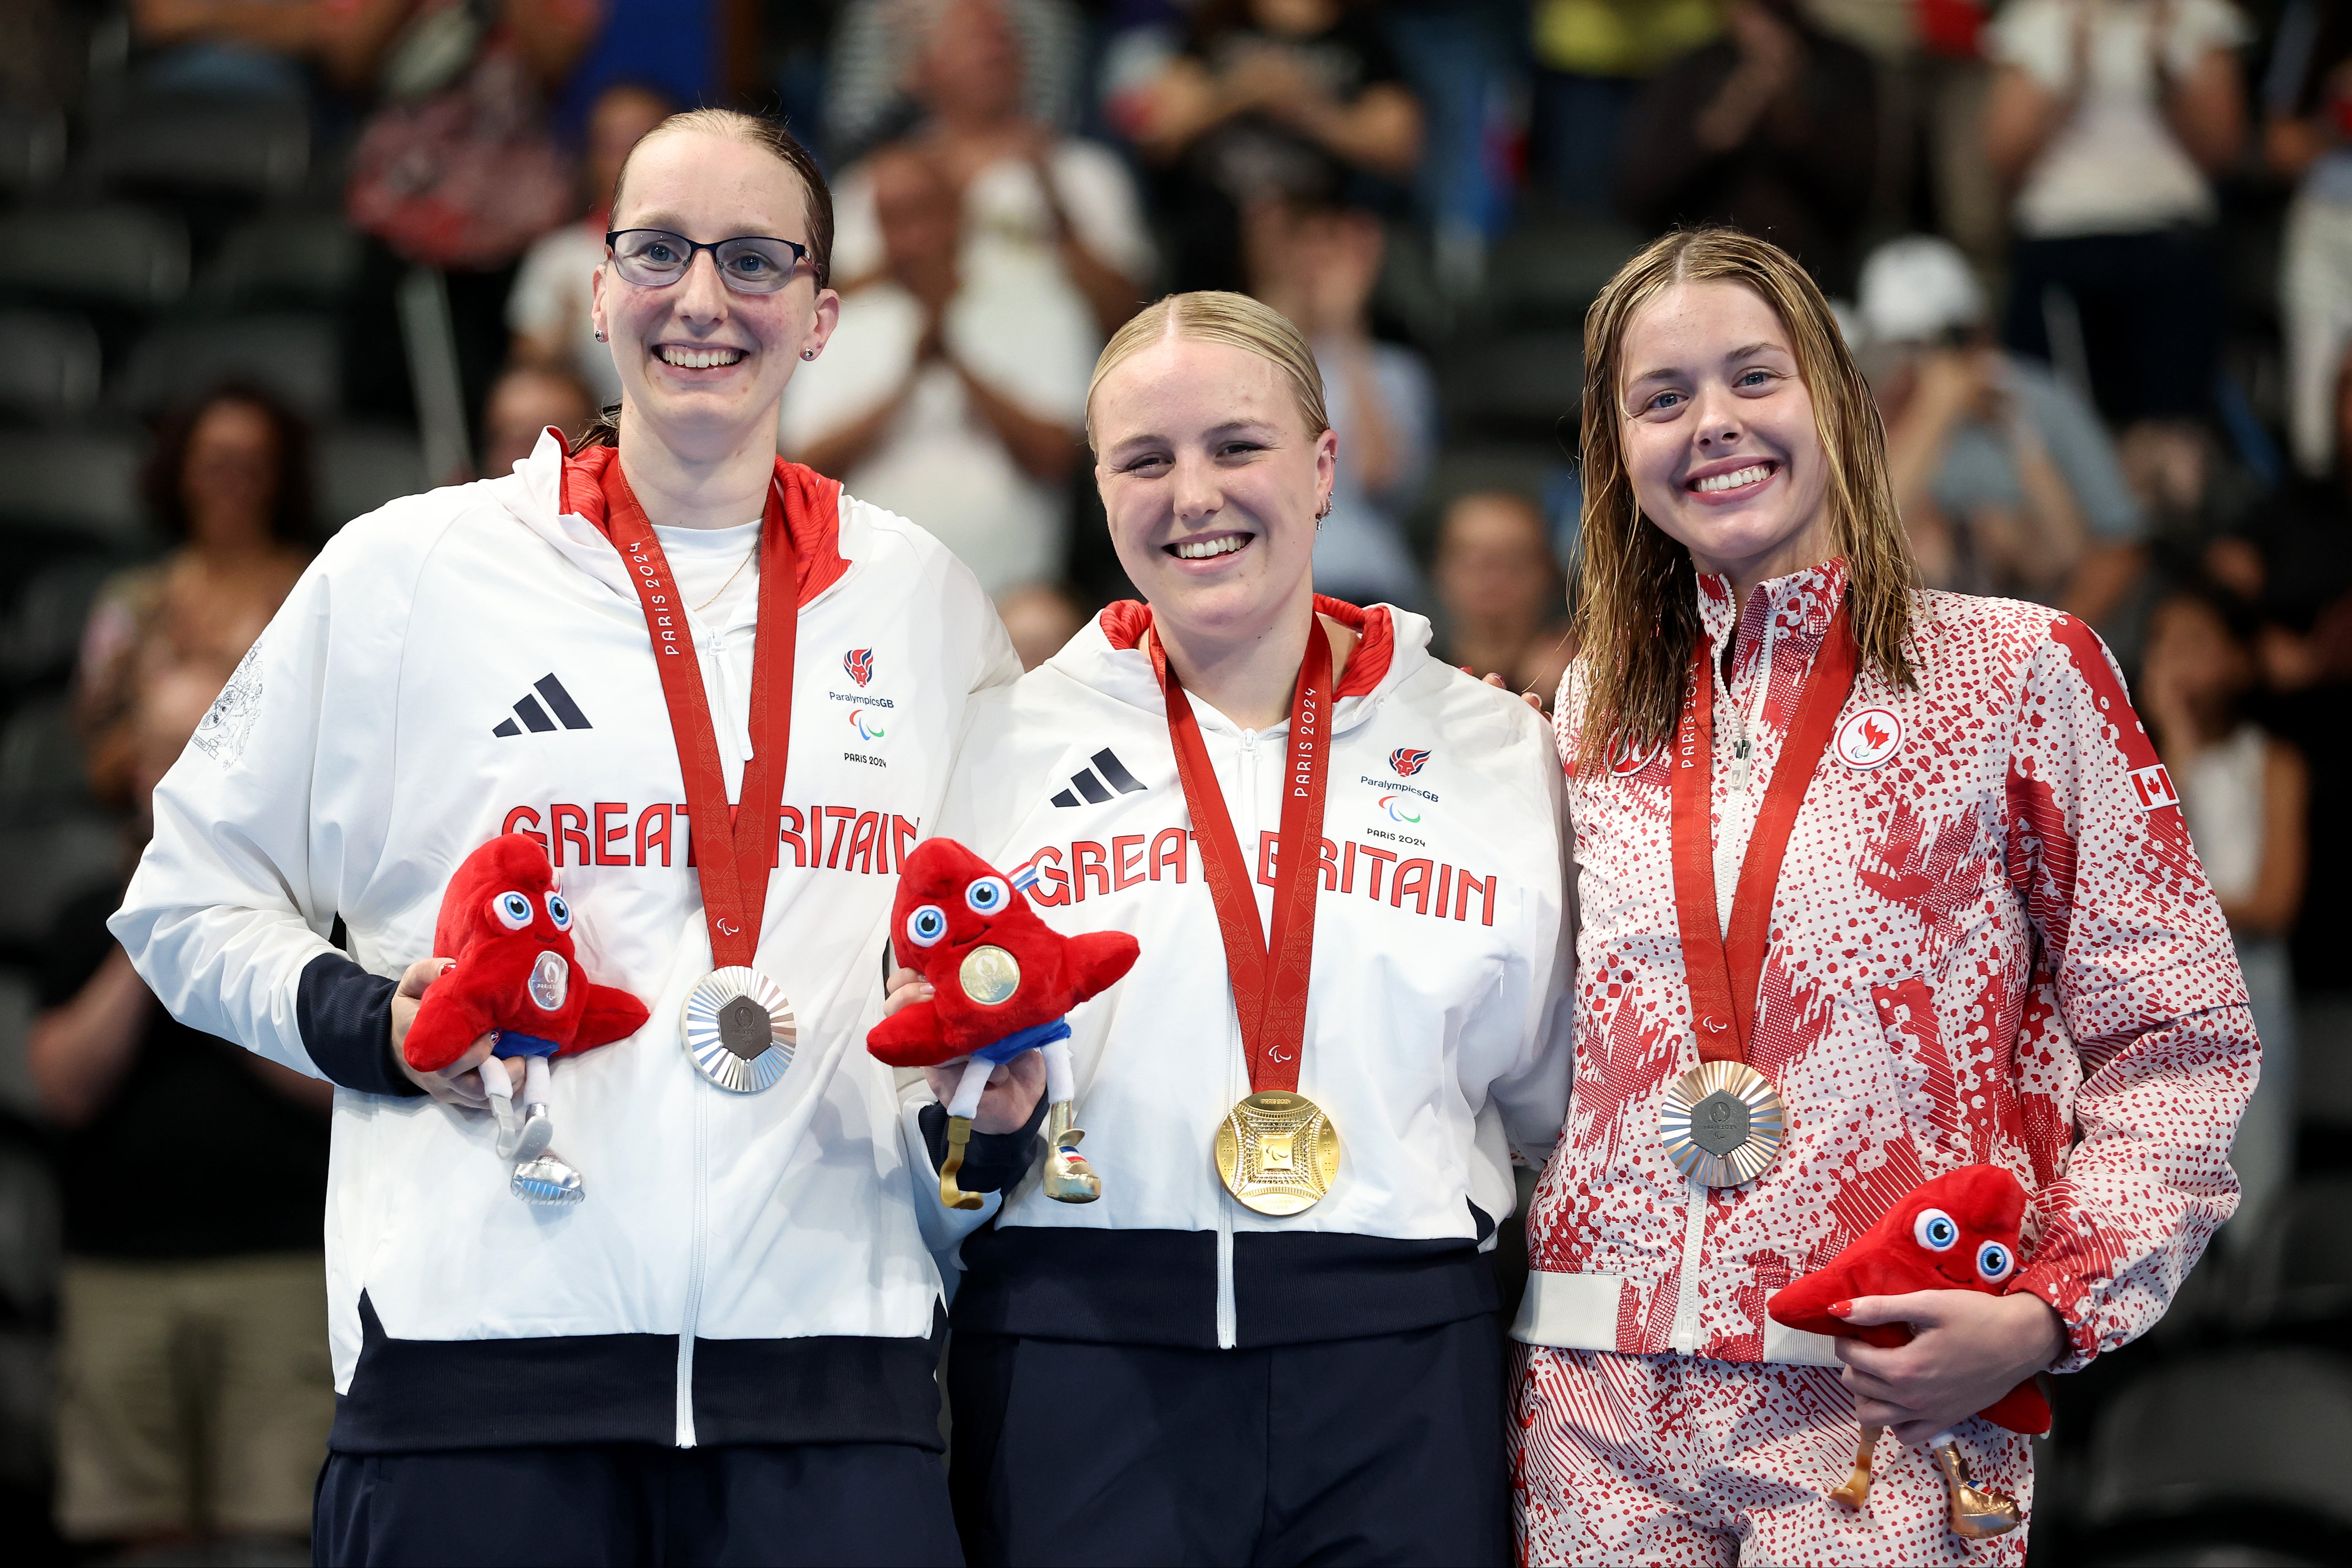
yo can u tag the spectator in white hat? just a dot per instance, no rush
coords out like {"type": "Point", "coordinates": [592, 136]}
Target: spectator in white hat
{"type": "Point", "coordinates": [2006, 479]}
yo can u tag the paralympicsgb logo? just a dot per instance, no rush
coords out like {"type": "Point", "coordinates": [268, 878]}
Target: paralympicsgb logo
{"type": "Point", "coordinates": [859, 662]}
{"type": "Point", "coordinates": [1407, 760]}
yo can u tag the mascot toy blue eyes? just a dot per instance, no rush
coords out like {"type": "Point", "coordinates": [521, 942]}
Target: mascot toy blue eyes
{"type": "Point", "coordinates": [1001, 981]}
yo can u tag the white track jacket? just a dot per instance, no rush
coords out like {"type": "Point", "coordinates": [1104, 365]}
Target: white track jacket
{"type": "Point", "coordinates": [466, 663]}
{"type": "Point", "coordinates": [1435, 1034]}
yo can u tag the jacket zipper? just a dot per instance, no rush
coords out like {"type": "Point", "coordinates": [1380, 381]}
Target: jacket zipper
{"type": "Point", "coordinates": [698, 1251]}
{"type": "Point", "coordinates": [1228, 1319]}
{"type": "Point", "coordinates": [699, 1244]}
{"type": "Point", "coordinates": [1685, 1331]}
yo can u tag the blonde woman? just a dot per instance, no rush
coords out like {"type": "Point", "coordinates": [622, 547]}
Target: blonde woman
{"type": "Point", "coordinates": [1920, 849]}
{"type": "Point", "coordinates": [1271, 1339]}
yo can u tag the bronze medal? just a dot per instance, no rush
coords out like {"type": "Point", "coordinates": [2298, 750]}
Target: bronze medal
{"type": "Point", "coordinates": [1277, 1152]}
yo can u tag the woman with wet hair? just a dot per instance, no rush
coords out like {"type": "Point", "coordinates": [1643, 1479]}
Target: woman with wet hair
{"type": "Point", "coordinates": [1876, 883]}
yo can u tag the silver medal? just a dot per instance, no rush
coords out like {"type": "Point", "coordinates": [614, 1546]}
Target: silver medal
{"type": "Point", "coordinates": [739, 1029]}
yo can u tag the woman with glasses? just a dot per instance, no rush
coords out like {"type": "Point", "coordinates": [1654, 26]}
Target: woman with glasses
{"type": "Point", "coordinates": [685, 1312]}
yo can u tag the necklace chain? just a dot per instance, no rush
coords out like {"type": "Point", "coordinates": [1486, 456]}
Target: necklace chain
{"type": "Point", "coordinates": [731, 579]}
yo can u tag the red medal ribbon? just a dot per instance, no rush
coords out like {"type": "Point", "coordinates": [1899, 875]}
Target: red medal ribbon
{"type": "Point", "coordinates": [734, 845]}
{"type": "Point", "coordinates": [1269, 973]}
{"type": "Point", "coordinates": [1725, 971]}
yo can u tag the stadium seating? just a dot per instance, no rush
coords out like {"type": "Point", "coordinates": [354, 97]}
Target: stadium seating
{"type": "Point", "coordinates": [283, 259]}
{"type": "Point", "coordinates": [2297, 1274]}
{"type": "Point", "coordinates": [119, 255]}
{"type": "Point", "coordinates": [50, 364]}
{"type": "Point", "coordinates": [201, 147]}
{"type": "Point", "coordinates": [2239, 1452]}
{"type": "Point", "coordinates": [293, 356]}
{"type": "Point", "coordinates": [82, 482]}
{"type": "Point", "coordinates": [361, 467]}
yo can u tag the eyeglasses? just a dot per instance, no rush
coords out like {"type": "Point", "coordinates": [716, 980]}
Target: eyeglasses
{"type": "Point", "coordinates": [753, 263]}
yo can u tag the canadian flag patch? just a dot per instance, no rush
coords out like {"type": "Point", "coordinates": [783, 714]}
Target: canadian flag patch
{"type": "Point", "coordinates": [1869, 737]}
{"type": "Point", "coordinates": [2155, 787]}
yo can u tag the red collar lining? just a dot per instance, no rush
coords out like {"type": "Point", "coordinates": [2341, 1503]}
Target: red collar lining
{"type": "Point", "coordinates": [1125, 623]}
{"type": "Point", "coordinates": [812, 511]}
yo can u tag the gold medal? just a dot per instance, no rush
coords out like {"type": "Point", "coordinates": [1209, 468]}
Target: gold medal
{"type": "Point", "coordinates": [1723, 1123]}
{"type": "Point", "coordinates": [1277, 1152]}
{"type": "Point", "coordinates": [989, 976]}
{"type": "Point", "coordinates": [739, 1029]}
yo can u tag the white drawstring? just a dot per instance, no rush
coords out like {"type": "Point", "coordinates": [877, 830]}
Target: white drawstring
{"type": "Point", "coordinates": [737, 709]}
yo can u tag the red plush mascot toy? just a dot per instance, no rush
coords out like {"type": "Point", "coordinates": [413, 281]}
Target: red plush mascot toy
{"type": "Point", "coordinates": [1001, 981]}
{"type": "Point", "coordinates": [505, 927]}
{"type": "Point", "coordinates": [1958, 1232]}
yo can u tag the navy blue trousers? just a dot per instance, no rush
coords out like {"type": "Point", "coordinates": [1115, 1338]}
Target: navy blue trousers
{"type": "Point", "coordinates": [1386, 1450]}
{"type": "Point", "coordinates": [635, 1503]}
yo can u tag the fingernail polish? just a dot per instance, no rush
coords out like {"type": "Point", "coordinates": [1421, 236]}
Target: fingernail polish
{"type": "Point", "coordinates": [1841, 1309]}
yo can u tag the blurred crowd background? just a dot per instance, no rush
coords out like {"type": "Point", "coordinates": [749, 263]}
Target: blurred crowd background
{"type": "Point", "coordinates": [265, 264]}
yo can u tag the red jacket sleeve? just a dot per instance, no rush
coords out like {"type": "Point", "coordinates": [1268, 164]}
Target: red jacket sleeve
{"type": "Point", "coordinates": [2139, 963]}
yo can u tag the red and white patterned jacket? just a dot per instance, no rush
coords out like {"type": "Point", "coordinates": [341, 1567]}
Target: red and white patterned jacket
{"type": "Point", "coordinates": [1992, 944]}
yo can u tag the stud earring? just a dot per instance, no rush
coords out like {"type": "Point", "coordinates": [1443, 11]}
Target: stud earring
{"type": "Point", "coordinates": [602, 338]}
{"type": "Point", "coordinates": [808, 353]}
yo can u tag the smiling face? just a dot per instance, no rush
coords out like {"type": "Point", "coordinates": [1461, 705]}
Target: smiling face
{"type": "Point", "coordinates": [1211, 481]}
{"type": "Point", "coordinates": [702, 366]}
{"type": "Point", "coordinates": [1963, 1235]}
{"type": "Point", "coordinates": [950, 901]}
{"type": "Point", "coordinates": [1720, 439]}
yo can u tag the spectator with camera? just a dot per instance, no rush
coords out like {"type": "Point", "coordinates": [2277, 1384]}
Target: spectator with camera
{"type": "Point", "coordinates": [2004, 475]}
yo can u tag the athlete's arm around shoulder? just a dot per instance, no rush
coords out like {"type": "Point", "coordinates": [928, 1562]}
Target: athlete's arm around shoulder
{"type": "Point", "coordinates": [275, 817]}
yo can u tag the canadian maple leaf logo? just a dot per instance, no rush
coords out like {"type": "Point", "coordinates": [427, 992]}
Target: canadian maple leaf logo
{"type": "Point", "coordinates": [1869, 738]}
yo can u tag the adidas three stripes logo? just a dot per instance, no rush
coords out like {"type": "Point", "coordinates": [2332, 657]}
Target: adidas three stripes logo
{"type": "Point", "coordinates": [534, 717]}
{"type": "Point", "coordinates": [1084, 781]}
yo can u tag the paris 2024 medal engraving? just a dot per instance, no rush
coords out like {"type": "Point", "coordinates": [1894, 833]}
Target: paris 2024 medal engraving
{"type": "Point", "coordinates": [1277, 1152]}
{"type": "Point", "coordinates": [1723, 1123]}
{"type": "Point", "coordinates": [739, 1029]}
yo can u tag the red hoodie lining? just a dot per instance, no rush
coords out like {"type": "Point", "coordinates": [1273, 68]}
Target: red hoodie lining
{"type": "Point", "coordinates": [1125, 623]}
{"type": "Point", "coordinates": [814, 522]}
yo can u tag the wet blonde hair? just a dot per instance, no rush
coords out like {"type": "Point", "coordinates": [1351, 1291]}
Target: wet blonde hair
{"type": "Point", "coordinates": [1636, 614]}
{"type": "Point", "coordinates": [1236, 320]}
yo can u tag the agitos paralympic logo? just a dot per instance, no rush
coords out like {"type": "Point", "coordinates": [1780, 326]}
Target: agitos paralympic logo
{"type": "Point", "coordinates": [1396, 809]}
{"type": "Point", "coordinates": [861, 720]}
